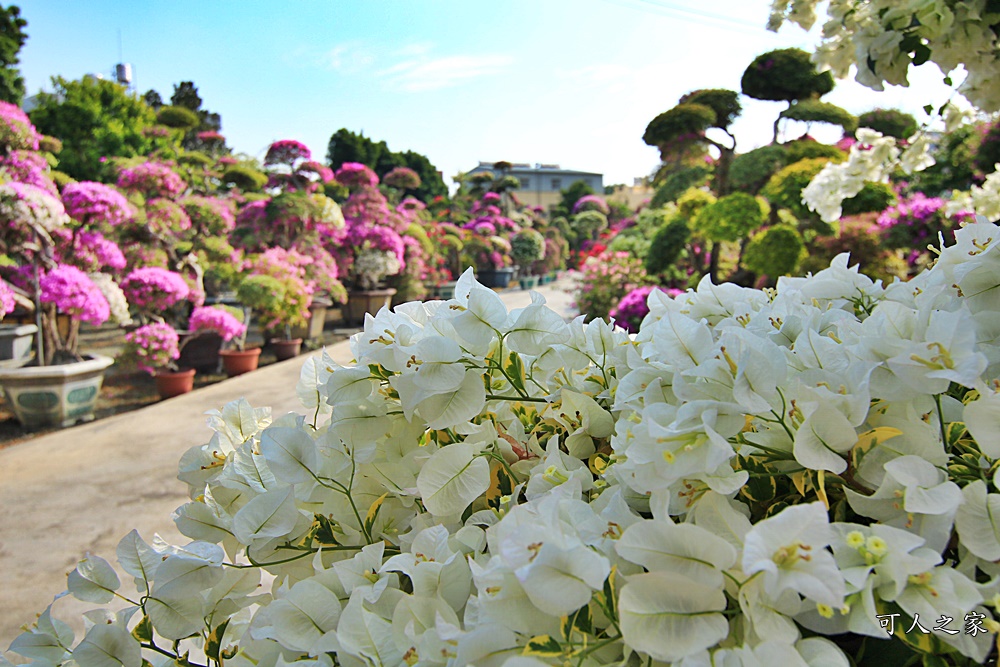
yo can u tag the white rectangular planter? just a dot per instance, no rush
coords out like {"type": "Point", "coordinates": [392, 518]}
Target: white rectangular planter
{"type": "Point", "coordinates": [15, 344]}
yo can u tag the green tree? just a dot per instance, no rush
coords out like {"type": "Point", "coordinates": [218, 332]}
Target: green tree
{"type": "Point", "coordinates": [12, 38]}
{"type": "Point", "coordinates": [96, 119]}
{"type": "Point", "coordinates": [346, 146]}
{"type": "Point", "coordinates": [570, 196]}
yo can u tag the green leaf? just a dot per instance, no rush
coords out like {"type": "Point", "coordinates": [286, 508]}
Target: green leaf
{"type": "Point", "coordinates": [929, 108]}
{"type": "Point", "coordinates": [579, 620]}
{"type": "Point", "coordinates": [921, 54]}
{"type": "Point", "coordinates": [947, 81]}
{"type": "Point", "coordinates": [214, 643]}
{"type": "Point", "coordinates": [543, 645]}
{"type": "Point", "coordinates": [143, 632]}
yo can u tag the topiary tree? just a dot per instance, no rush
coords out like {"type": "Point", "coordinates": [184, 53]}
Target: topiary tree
{"type": "Point", "coordinates": [725, 104]}
{"type": "Point", "coordinates": [750, 171]}
{"type": "Point", "coordinates": [586, 225]}
{"type": "Point", "coordinates": [785, 75]}
{"type": "Point", "coordinates": [890, 122]}
{"type": "Point", "coordinates": [678, 183]}
{"type": "Point", "coordinates": [685, 125]}
{"type": "Point", "coordinates": [815, 111]}
{"type": "Point", "coordinates": [680, 124]}
{"type": "Point", "coordinates": [178, 118]}
{"type": "Point", "coordinates": [775, 251]}
{"type": "Point", "coordinates": [800, 149]}
{"type": "Point", "coordinates": [526, 248]}
{"type": "Point", "coordinates": [689, 204]}
{"type": "Point", "coordinates": [244, 177]}
{"type": "Point", "coordinates": [873, 198]}
{"type": "Point", "coordinates": [731, 218]}
{"type": "Point", "coordinates": [784, 189]}
{"type": "Point", "coordinates": [667, 244]}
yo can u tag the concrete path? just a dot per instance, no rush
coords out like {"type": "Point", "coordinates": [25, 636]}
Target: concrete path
{"type": "Point", "coordinates": [82, 489]}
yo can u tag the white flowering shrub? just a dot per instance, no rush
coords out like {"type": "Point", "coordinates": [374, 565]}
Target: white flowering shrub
{"type": "Point", "coordinates": [755, 478]}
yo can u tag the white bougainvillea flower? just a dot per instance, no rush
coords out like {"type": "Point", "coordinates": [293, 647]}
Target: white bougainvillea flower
{"type": "Point", "coordinates": [824, 438]}
{"type": "Point", "coordinates": [915, 496]}
{"type": "Point", "coordinates": [670, 616]}
{"type": "Point", "coordinates": [790, 549]}
{"type": "Point", "coordinates": [982, 418]}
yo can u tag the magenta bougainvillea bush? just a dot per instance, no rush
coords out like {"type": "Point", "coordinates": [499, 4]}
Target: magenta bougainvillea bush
{"type": "Point", "coordinates": [154, 289]}
{"type": "Point", "coordinates": [88, 202]}
{"type": "Point", "coordinates": [151, 179]}
{"type": "Point", "coordinates": [73, 293]}
{"type": "Point", "coordinates": [154, 347]}
{"type": "Point", "coordinates": [219, 320]}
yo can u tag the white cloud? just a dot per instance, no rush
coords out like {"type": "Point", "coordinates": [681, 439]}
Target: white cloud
{"type": "Point", "coordinates": [348, 57]}
{"type": "Point", "coordinates": [422, 74]}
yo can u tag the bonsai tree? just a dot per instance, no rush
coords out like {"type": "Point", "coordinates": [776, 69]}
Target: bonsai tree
{"type": "Point", "coordinates": [688, 124]}
{"type": "Point", "coordinates": [281, 303]}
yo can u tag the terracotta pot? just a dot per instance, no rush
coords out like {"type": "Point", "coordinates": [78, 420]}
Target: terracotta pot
{"type": "Point", "coordinates": [174, 383]}
{"type": "Point", "coordinates": [366, 301]}
{"type": "Point", "coordinates": [286, 348]}
{"type": "Point", "coordinates": [238, 362]}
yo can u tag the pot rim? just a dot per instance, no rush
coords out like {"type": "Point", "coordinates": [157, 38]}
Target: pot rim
{"type": "Point", "coordinates": [91, 363]}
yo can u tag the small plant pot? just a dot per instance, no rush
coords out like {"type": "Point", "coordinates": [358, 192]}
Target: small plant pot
{"type": "Point", "coordinates": [238, 362]}
{"type": "Point", "coordinates": [286, 348]}
{"type": "Point", "coordinates": [174, 383]}
{"type": "Point", "coordinates": [529, 282]}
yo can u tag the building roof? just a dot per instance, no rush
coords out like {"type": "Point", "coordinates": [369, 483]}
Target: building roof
{"type": "Point", "coordinates": [537, 168]}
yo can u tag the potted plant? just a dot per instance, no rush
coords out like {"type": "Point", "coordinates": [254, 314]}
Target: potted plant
{"type": "Point", "coordinates": [371, 266]}
{"type": "Point", "coordinates": [526, 248]}
{"type": "Point", "coordinates": [154, 348]}
{"type": "Point", "coordinates": [209, 328]}
{"type": "Point", "coordinates": [490, 255]}
{"type": "Point", "coordinates": [45, 241]}
{"type": "Point", "coordinates": [282, 303]}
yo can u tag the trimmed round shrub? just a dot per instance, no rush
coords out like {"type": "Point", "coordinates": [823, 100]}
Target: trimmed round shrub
{"type": "Point", "coordinates": [527, 247]}
{"type": "Point", "coordinates": [245, 178]}
{"type": "Point", "coordinates": [775, 251]}
{"type": "Point", "coordinates": [684, 121]}
{"type": "Point", "coordinates": [890, 122]}
{"type": "Point", "coordinates": [784, 189]}
{"type": "Point", "coordinates": [750, 171]}
{"type": "Point", "coordinates": [667, 245]}
{"type": "Point", "coordinates": [689, 204]}
{"type": "Point", "coordinates": [178, 117]}
{"type": "Point", "coordinates": [195, 159]}
{"type": "Point", "coordinates": [731, 218]}
{"type": "Point", "coordinates": [678, 183]}
{"type": "Point", "coordinates": [587, 224]}
{"type": "Point", "coordinates": [801, 149]}
{"type": "Point", "coordinates": [785, 75]}
{"type": "Point", "coordinates": [725, 104]}
{"type": "Point", "coordinates": [873, 198]}
{"type": "Point", "coordinates": [815, 111]}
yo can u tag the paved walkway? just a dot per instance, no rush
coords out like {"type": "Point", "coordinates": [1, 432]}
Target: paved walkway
{"type": "Point", "coordinates": [82, 489]}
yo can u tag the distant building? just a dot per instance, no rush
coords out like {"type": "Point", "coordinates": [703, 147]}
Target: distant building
{"type": "Point", "coordinates": [542, 183]}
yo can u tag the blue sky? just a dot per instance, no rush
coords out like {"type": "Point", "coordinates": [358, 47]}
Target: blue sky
{"type": "Point", "coordinates": [572, 82]}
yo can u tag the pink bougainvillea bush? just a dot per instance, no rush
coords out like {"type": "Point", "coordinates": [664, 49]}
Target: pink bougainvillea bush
{"type": "Point", "coordinates": [153, 347]}
{"type": "Point", "coordinates": [153, 289]}
{"type": "Point", "coordinates": [16, 129]}
{"type": "Point", "coordinates": [88, 202]}
{"type": "Point", "coordinates": [151, 179]}
{"type": "Point", "coordinates": [72, 292]}
{"type": "Point", "coordinates": [219, 320]}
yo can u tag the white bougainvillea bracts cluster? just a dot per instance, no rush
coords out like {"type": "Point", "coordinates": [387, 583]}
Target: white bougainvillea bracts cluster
{"type": "Point", "coordinates": [754, 478]}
